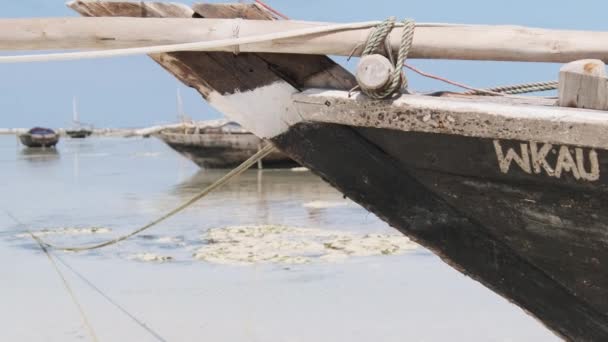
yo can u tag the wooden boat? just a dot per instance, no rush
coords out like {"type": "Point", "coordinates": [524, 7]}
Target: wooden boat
{"type": "Point", "coordinates": [78, 130]}
{"type": "Point", "coordinates": [78, 133]}
{"type": "Point", "coordinates": [509, 191]}
{"type": "Point", "coordinates": [39, 137]}
{"type": "Point", "coordinates": [218, 144]}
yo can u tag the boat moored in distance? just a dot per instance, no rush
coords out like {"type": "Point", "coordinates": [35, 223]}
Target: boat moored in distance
{"type": "Point", "coordinates": [78, 133]}
{"type": "Point", "coordinates": [218, 144]}
{"type": "Point", "coordinates": [78, 130]}
{"type": "Point", "coordinates": [39, 137]}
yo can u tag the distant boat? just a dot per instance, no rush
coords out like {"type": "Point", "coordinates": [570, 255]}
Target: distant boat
{"type": "Point", "coordinates": [218, 144]}
{"type": "Point", "coordinates": [78, 131]}
{"type": "Point", "coordinates": [39, 137]}
{"type": "Point", "coordinates": [215, 144]}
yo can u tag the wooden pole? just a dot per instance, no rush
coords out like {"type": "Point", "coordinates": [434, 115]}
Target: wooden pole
{"type": "Point", "coordinates": [467, 42]}
{"type": "Point", "coordinates": [260, 166]}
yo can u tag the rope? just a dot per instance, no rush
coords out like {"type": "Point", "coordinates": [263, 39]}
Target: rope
{"type": "Point", "coordinates": [517, 88]}
{"type": "Point", "coordinates": [110, 300]}
{"type": "Point", "coordinates": [272, 10]}
{"type": "Point", "coordinates": [472, 90]}
{"type": "Point", "coordinates": [377, 39]}
{"type": "Point", "coordinates": [223, 180]}
{"type": "Point", "coordinates": [64, 281]}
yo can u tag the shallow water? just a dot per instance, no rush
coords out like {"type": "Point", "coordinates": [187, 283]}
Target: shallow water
{"type": "Point", "coordinates": [116, 185]}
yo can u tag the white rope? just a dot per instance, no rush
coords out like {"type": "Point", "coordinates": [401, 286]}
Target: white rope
{"type": "Point", "coordinates": [194, 46]}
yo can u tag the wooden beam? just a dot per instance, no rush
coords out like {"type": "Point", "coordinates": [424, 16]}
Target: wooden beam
{"type": "Point", "coordinates": [501, 43]}
{"type": "Point", "coordinates": [583, 84]}
{"type": "Point", "coordinates": [502, 118]}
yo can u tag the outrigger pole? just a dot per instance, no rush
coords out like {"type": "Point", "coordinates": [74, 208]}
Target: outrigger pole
{"type": "Point", "coordinates": [431, 41]}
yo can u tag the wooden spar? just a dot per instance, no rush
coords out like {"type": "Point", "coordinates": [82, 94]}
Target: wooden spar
{"type": "Point", "coordinates": [434, 41]}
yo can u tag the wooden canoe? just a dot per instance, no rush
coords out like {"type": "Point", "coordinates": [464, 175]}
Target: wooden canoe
{"type": "Point", "coordinates": [39, 137]}
{"type": "Point", "coordinates": [219, 144]}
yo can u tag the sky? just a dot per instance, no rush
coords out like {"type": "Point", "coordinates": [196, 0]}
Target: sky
{"type": "Point", "coordinates": [135, 91]}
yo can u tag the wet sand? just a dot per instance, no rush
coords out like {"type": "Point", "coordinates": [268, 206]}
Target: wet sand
{"type": "Point", "coordinates": [273, 256]}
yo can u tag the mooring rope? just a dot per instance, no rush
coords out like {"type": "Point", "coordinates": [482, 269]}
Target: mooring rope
{"type": "Point", "coordinates": [376, 40]}
{"type": "Point", "coordinates": [523, 88]}
{"type": "Point", "coordinates": [110, 300]}
{"type": "Point", "coordinates": [64, 281]}
{"type": "Point", "coordinates": [269, 148]}
{"type": "Point", "coordinates": [272, 10]}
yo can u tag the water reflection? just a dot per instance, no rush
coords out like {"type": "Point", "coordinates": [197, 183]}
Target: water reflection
{"type": "Point", "coordinates": [286, 195]}
{"type": "Point", "coordinates": [39, 154]}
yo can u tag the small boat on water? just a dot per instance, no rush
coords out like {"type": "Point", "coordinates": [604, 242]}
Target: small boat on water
{"type": "Point", "coordinates": [78, 130]}
{"type": "Point", "coordinates": [39, 137]}
{"type": "Point", "coordinates": [218, 144]}
{"type": "Point", "coordinates": [80, 133]}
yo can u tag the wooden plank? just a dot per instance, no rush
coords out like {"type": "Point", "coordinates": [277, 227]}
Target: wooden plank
{"type": "Point", "coordinates": [295, 72]}
{"type": "Point", "coordinates": [228, 11]}
{"type": "Point", "coordinates": [457, 116]}
{"type": "Point", "coordinates": [583, 84]}
{"type": "Point", "coordinates": [131, 9]}
{"type": "Point", "coordinates": [468, 42]}
{"type": "Point", "coordinates": [301, 71]}
{"type": "Point", "coordinates": [206, 72]}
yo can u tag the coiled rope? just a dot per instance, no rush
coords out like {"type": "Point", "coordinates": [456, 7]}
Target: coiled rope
{"type": "Point", "coordinates": [223, 180]}
{"type": "Point", "coordinates": [378, 39]}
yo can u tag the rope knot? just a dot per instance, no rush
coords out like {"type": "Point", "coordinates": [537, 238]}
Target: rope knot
{"type": "Point", "coordinates": [377, 78]}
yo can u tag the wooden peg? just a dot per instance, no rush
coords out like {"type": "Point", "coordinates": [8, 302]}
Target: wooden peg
{"type": "Point", "coordinates": [583, 84]}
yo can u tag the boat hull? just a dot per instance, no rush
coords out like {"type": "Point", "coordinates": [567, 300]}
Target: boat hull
{"type": "Point", "coordinates": [78, 134]}
{"type": "Point", "coordinates": [222, 150]}
{"type": "Point", "coordinates": [39, 140]}
{"type": "Point", "coordinates": [539, 240]}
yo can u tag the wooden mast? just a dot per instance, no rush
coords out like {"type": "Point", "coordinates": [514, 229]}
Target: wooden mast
{"type": "Point", "coordinates": [467, 42]}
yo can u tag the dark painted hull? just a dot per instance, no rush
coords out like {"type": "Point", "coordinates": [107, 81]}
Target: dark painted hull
{"type": "Point", "coordinates": [38, 140]}
{"type": "Point", "coordinates": [78, 134]}
{"type": "Point", "coordinates": [538, 240]}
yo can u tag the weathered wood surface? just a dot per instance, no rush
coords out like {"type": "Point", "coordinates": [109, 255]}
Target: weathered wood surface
{"type": "Point", "coordinates": [507, 119]}
{"type": "Point", "coordinates": [372, 177]}
{"type": "Point", "coordinates": [468, 42]}
{"type": "Point", "coordinates": [374, 72]}
{"type": "Point", "coordinates": [39, 140]}
{"type": "Point", "coordinates": [548, 209]}
{"type": "Point", "coordinates": [583, 84]}
{"type": "Point", "coordinates": [221, 150]}
{"type": "Point", "coordinates": [224, 78]}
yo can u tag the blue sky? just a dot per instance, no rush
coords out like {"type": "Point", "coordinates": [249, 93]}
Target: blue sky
{"type": "Point", "coordinates": [134, 91]}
